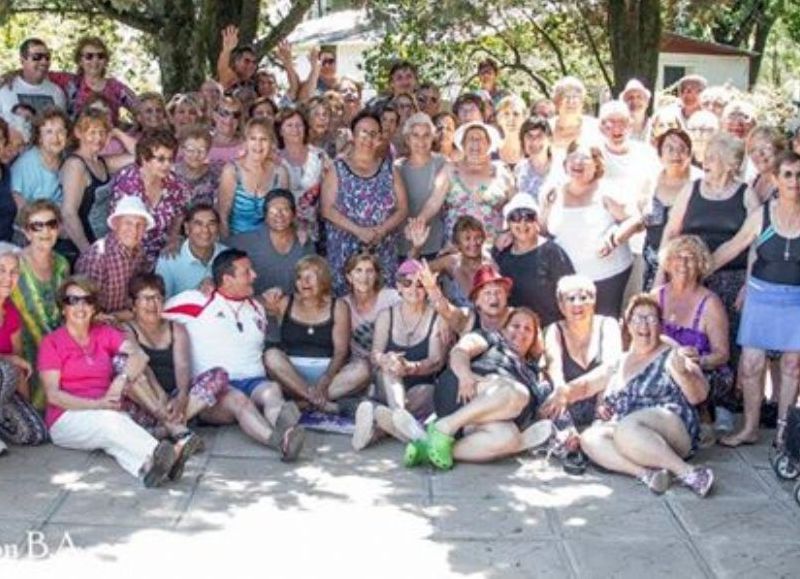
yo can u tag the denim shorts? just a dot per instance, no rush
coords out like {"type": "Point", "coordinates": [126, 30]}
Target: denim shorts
{"type": "Point", "coordinates": [247, 385]}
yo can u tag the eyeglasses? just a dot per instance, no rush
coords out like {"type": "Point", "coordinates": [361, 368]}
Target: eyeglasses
{"type": "Point", "coordinates": [227, 113]}
{"type": "Point", "coordinates": [162, 158]}
{"type": "Point", "coordinates": [408, 282]}
{"type": "Point", "coordinates": [643, 319]}
{"type": "Point", "coordinates": [37, 56]}
{"type": "Point", "coordinates": [74, 300]}
{"type": "Point", "coordinates": [192, 151]}
{"type": "Point", "coordinates": [93, 55]}
{"type": "Point", "coordinates": [790, 174]}
{"type": "Point", "coordinates": [520, 215]}
{"type": "Point", "coordinates": [40, 225]}
{"type": "Point", "coordinates": [368, 134]}
{"type": "Point", "coordinates": [580, 298]}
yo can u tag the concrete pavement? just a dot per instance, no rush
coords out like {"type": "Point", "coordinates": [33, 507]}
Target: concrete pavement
{"type": "Point", "coordinates": [336, 513]}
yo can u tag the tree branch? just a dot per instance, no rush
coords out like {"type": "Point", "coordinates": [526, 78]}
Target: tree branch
{"type": "Point", "coordinates": [595, 50]}
{"type": "Point", "coordinates": [550, 42]}
{"type": "Point", "coordinates": [283, 28]}
{"type": "Point", "coordinates": [145, 22]}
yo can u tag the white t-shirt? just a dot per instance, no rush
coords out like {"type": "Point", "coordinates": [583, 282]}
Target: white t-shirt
{"type": "Point", "coordinates": [224, 333]}
{"type": "Point", "coordinates": [39, 96]}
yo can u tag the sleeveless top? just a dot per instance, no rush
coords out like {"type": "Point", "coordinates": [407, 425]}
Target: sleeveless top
{"type": "Point", "coordinates": [654, 387]}
{"type": "Point", "coordinates": [579, 231]}
{"type": "Point", "coordinates": [777, 257]}
{"type": "Point", "coordinates": [307, 340]}
{"type": "Point", "coordinates": [687, 336]}
{"type": "Point", "coordinates": [161, 361]}
{"type": "Point", "coordinates": [305, 183]}
{"type": "Point", "coordinates": [582, 411]}
{"type": "Point", "coordinates": [414, 353]}
{"type": "Point", "coordinates": [247, 211]}
{"type": "Point", "coordinates": [90, 194]}
{"type": "Point", "coordinates": [419, 182]}
{"type": "Point", "coordinates": [485, 203]}
{"type": "Point", "coordinates": [715, 222]}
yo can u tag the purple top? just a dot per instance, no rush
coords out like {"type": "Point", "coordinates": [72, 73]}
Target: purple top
{"type": "Point", "coordinates": [687, 336]}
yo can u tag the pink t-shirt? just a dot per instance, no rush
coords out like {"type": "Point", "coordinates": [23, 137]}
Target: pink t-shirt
{"type": "Point", "coordinates": [11, 325]}
{"type": "Point", "coordinates": [85, 372]}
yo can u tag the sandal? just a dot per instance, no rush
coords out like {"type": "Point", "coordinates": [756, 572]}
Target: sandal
{"type": "Point", "coordinates": [189, 444]}
{"type": "Point", "coordinates": [416, 453]}
{"type": "Point", "coordinates": [440, 448]}
{"type": "Point", "coordinates": [574, 462]}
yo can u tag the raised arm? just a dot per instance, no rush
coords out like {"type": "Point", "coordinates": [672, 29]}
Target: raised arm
{"type": "Point", "coordinates": [230, 39]}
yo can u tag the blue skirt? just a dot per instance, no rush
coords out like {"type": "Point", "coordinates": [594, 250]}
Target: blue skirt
{"type": "Point", "coordinates": [770, 317]}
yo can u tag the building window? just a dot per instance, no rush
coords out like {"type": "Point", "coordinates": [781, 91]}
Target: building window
{"type": "Point", "coordinates": [673, 74]}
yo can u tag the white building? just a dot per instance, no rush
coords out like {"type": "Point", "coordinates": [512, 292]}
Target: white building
{"type": "Point", "coordinates": [718, 63]}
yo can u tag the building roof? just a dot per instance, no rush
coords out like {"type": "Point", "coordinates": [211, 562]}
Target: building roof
{"type": "Point", "coordinates": [345, 26]}
{"type": "Point", "coordinates": [677, 43]}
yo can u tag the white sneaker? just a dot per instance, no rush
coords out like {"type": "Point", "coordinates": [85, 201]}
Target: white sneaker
{"type": "Point", "coordinates": [3, 447]}
{"type": "Point", "coordinates": [364, 425]}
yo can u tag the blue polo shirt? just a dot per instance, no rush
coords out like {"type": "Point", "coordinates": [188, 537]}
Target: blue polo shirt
{"type": "Point", "coordinates": [184, 271]}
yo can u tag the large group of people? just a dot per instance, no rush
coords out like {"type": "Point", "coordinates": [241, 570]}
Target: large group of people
{"type": "Point", "coordinates": [474, 280]}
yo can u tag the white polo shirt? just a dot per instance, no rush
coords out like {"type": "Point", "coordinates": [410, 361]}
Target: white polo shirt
{"type": "Point", "coordinates": [224, 332]}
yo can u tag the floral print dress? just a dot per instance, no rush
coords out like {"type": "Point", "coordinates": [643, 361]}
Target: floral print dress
{"type": "Point", "coordinates": [485, 203]}
{"type": "Point", "coordinates": [368, 202]}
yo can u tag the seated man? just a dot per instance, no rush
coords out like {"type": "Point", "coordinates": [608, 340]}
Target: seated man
{"type": "Point", "coordinates": [192, 264]}
{"type": "Point", "coordinates": [228, 329]}
{"type": "Point", "coordinates": [113, 260]}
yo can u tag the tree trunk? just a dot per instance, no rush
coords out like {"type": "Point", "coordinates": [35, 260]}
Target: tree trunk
{"type": "Point", "coordinates": [634, 32]}
{"type": "Point", "coordinates": [180, 55]}
{"type": "Point", "coordinates": [763, 29]}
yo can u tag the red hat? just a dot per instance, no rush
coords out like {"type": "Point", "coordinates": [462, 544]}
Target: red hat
{"type": "Point", "coordinates": [487, 274]}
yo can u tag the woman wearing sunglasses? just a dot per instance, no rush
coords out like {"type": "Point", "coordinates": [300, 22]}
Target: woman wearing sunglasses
{"type": "Point", "coordinates": [227, 120]}
{"type": "Point", "coordinates": [19, 422]}
{"type": "Point", "coordinates": [41, 272]}
{"type": "Point", "coordinates": [648, 423]}
{"type": "Point", "coordinates": [582, 351]}
{"type": "Point", "coordinates": [408, 350]}
{"type": "Point", "coordinates": [91, 58]}
{"type": "Point", "coordinates": [535, 263]}
{"type": "Point", "coordinates": [85, 387]}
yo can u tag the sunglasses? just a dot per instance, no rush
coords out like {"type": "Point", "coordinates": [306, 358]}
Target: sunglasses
{"type": "Point", "coordinates": [520, 215]}
{"type": "Point", "coordinates": [37, 56]}
{"type": "Point", "coordinates": [226, 113]}
{"type": "Point", "coordinates": [407, 282]}
{"type": "Point", "coordinates": [163, 159]}
{"type": "Point", "coordinates": [643, 319]}
{"type": "Point", "coordinates": [73, 300]}
{"type": "Point", "coordinates": [94, 55]}
{"type": "Point", "coordinates": [790, 174]}
{"type": "Point", "coordinates": [328, 61]}
{"type": "Point", "coordinates": [40, 225]}
{"type": "Point", "coordinates": [579, 298]}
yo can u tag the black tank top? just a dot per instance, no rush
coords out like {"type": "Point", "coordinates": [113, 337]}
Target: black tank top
{"type": "Point", "coordinates": [307, 340]}
{"type": "Point", "coordinates": [87, 201]}
{"type": "Point", "coordinates": [414, 353]}
{"type": "Point", "coordinates": [569, 367]}
{"type": "Point", "coordinates": [161, 361]}
{"type": "Point", "coordinates": [715, 222]}
{"type": "Point", "coordinates": [777, 257]}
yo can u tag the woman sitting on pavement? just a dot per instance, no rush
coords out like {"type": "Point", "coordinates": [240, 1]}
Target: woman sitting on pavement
{"type": "Point", "coordinates": [408, 350]}
{"type": "Point", "coordinates": [694, 317]}
{"type": "Point", "coordinates": [84, 396]}
{"type": "Point", "coordinates": [649, 423]}
{"type": "Point", "coordinates": [459, 266]}
{"type": "Point", "coordinates": [19, 421]}
{"type": "Point", "coordinates": [489, 393]}
{"type": "Point", "coordinates": [311, 362]}
{"type": "Point", "coordinates": [173, 398]}
{"type": "Point", "coordinates": [582, 351]}
{"type": "Point", "coordinates": [366, 300]}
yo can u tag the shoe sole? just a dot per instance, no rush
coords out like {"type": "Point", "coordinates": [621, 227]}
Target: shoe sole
{"type": "Point", "coordinates": [707, 489]}
{"type": "Point", "coordinates": [163, 460]}
{"type": "Point", "coordinates": [538, 434]}
{"type": "Point", "coordinates": [293, 438]}
{"type": "Point", "coordinates": [364, 426]}
{"type": "Point", "coordinates": [660, 482]}
{"type": "Point", "coordinates": [288, 416]}
{"type": "Point", "coordinates": [407, 425]}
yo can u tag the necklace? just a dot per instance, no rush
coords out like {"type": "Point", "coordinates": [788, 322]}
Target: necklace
{"type": "Point", "coordinates": [786, 249]}
{"type": "Point", "coordinates": [236, 312]}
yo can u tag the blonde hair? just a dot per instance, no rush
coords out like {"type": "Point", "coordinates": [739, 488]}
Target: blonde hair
{"type": "Point", "coordinates": [320, 267]}
{"type": "Point", "coordinates": [693, 244]}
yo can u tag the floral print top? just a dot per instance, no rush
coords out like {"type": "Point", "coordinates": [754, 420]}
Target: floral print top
{"type": "Point", "coordinates": [484, 203]}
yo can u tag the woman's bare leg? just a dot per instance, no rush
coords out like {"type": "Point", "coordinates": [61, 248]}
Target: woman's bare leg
{"type": "Point", "coordinates": [489, 442]}
{"type": "Point", "coordinates": [656, 438]}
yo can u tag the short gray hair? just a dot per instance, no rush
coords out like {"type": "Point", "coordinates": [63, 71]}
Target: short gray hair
{"type": "Point", "coordinates": [730, 148]}
{"type": "Point", "coordinates": [418, 119]}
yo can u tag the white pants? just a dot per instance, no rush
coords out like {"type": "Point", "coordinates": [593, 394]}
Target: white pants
{"type": "Point", "coordinates": [109, 430]}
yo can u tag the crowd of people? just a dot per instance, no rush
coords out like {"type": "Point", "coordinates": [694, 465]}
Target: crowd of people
{"type": "Point", "coordinates": [475, 278]}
